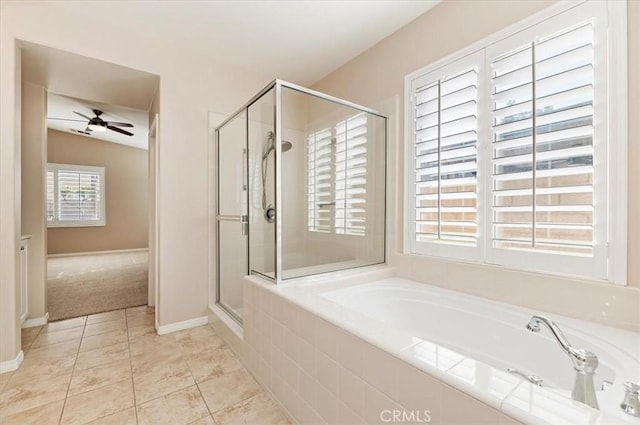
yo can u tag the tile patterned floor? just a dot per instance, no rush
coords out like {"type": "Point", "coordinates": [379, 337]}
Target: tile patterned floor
{"type": "Point", "coordinates": [111, 368]}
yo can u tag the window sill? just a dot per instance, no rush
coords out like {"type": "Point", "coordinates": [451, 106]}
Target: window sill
{"type": "Point", "coordinates": [67, 225]}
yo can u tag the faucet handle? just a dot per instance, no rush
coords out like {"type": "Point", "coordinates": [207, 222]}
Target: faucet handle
{"type": "Point", "coordinates": [631, 402]}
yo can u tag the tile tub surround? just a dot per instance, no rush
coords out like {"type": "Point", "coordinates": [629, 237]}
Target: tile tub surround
{"type": "Point", "coordinates": [324, 373]}
{"type": "Point", "coordinates": [111, 368]}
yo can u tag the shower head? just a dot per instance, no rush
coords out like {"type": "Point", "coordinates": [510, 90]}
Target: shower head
{"type": "Point", "coordinates": [286, 146]}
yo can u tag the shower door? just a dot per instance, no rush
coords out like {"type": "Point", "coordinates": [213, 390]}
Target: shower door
{"type": "Point", "coordinates": [232, 214]}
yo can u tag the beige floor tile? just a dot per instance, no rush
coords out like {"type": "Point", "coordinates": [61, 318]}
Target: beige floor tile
{"type": "Point", "coordinates": [198, 340]}
{"type": "Point", "coordinates": [48, 414]}
{"type": "Point", "coordinates": [214, 363]}
{"type": "Point", "coordinates": [53, 351]}
{"type": "Point", "coordinates": [28, 335]}
{"type": "Point", "coordinates": [48, 338]}
{"type": "Point", "coordinates": [29, 393]}
{"type": "Point", "coordinates": [141, 330]}
{"type": "Point", "coordinates": [226, 390]}
{"type": "Point", "coordinates": [140, 310]}
{"type": "Point", "coordinates": [65, 324]}
{"type": "Point", "coordinates": [154, 344]}
{"type": "Point", "coordinates": [124, 417]}
{"type": "Point", "coordinates": [98, 377]}
{"type": "Point", "coordinates": [153, 380]}
{"type": "Point", "coordinates": [32, 367]}
{"type": "Point", "coordinates": [103, 340]}
{"type": "Point", "coordinates": [100, 356]}
{"type": "Point", "coordinates": [104, 317]}
{"type": "Point", "coordinates": [259, 409]}
{"type": "Point", "coordinates": [4, 379]}
{"type": "Point", "coordinates": [104, 327]}
{"type": "Point", "coordinates": [180, 407]}
{"type": "Point", "coordinates": [96, 404]}
{"type": "Point", "coordinates": [207, 420]}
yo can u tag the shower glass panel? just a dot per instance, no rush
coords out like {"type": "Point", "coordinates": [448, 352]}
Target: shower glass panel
{"type": "Point", "coordinates": [262, 198]}
{"type": "Point", "coordinates": [333, 185]}
{"type": "Point", "coordinates": [231, 216]}
{"type": "Point", "coordinates": [304, 174]}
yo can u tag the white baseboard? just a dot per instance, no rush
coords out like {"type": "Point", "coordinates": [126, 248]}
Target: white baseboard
{"type": "Point", "coordinates": [179, 326]}
{"type": "Point", "coordinates": [36, 321]}
{"type": "Point", "coordinates": [115, 251]}
{"type": "Point", "coordinates": [11, 365]}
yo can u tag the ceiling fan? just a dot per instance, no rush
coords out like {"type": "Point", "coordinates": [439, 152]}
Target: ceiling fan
{"type": "Point", "coordinates": [98, 124]}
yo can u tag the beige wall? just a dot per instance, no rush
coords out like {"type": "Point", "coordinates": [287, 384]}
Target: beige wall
{"type": "Point", "coordinates": [126, 194]}
{"type": "Point", "coordinates": [377, 76]}
{"type": "Point", "coordinates": [34, 160]}
{"type": "Point", "coordinates": [191, 85]}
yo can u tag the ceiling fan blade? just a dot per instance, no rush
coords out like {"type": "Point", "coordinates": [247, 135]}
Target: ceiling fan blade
{"type": "Point", "coordinates": [119, 124]}
{"type": "Point", "coordinates": [82, 115]}
{"type": "Point", "coordinates": [119, 130]}
{"type": "Point", "coordinates": [65, 119]}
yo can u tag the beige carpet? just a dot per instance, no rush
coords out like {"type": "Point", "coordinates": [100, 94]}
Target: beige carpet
{"type": "Point", "coordinates": [89, 284]}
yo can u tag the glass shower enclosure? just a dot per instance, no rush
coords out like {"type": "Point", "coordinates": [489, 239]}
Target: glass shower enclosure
{"type": "Point", "coordinates": [301, 186]}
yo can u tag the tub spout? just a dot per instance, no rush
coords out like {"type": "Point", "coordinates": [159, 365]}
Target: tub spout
{"type": "Point", "coordinates": [584, 362]}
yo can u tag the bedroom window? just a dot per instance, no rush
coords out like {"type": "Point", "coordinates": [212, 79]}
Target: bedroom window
{"type": "Point", "coordinates": [337, 178]}
{"type": "Point", "coordinates": [511, 146]}
{"type": "Point", "coordinates": [75, 196]}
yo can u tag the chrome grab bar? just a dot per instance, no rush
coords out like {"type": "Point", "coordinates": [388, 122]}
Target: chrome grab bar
{"type": "Point", "coordinates": [240, 218]}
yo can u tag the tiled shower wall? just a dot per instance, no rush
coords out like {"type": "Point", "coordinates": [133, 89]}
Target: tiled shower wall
{"type": "Point", "coordinates": [321, 373]}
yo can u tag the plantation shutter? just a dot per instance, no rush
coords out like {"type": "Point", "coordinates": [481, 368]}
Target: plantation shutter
{"type": "Point", "coordinates": [351, 175]}
{"type": "Point", "coordinates": [78, 196]}
{"type": "Point", "coordinates": [543, 144]}
{"type": "Point", "coordinates": [319, 181]}
{"type": "Point", "coordinates": [51, 196]}
{"type": "Point", "coordinates": [445, 125]}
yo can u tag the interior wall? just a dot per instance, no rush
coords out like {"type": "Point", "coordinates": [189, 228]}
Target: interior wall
{"type": "Point", "coordinates": [126, 194]}
{"type": "Point", "coordinates": [445, 29]}
{"type": "Point", "coordinates": [33, 219]}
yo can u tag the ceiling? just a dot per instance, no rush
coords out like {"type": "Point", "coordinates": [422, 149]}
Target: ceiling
{"type": "Point", "coordinates": [300, 41]}
{"type": "Point", "coordinates": [87, 78]}
{"type": "Point", "coordinates": [59, 106]}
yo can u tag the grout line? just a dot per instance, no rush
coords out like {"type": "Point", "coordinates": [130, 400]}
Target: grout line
{"type": "Point", "coordinates": [133, 385]}
{"type": "Point", "coordinates": [73, 369]}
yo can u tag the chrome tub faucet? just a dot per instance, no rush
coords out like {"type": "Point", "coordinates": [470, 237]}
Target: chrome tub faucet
{"type": "Point", "coordinates": [584, 362]}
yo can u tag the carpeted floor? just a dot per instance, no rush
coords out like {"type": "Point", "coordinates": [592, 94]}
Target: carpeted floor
{"type": "Point", "coordinates": [89, 284]}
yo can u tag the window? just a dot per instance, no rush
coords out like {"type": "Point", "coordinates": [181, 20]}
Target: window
{"type": "Point", "coordinates": [337, 177]}
{"type": "Point", "coordinates": [75, 195]}
{"type": "Point", "coordinates": [511, 146]}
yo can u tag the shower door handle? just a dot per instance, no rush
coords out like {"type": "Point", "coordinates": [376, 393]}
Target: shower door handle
{"type": "Point", "coordinates": [242, 219]}
{"type": "Point", "coordinates": [245, 160]}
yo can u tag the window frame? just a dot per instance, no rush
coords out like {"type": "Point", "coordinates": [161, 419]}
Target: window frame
{"type": "Point", "coordinates": [611, 252]}
{"type": "Point", "coordinates": [56, 223]}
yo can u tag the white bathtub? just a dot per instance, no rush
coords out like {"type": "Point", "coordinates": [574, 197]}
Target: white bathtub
{"type": "Point", "coordinates": [465, 343]}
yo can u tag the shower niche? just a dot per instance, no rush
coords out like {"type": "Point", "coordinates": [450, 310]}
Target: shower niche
{"type": "Point", "coordinates": [301, 184]}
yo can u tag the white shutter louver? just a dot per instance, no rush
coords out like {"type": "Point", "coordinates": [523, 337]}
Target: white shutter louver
{"type": "Point", "coordinates": [351, 176]}
{"type": "Point", "coordinates": [446, 123]}
{"type": "Point", "coordinates": [543, 144]}
{"type": "Point", "coordinates": [337, 177]}
{"type": "Point", "coordinates": [51, 199]}
{"type": "Point", "coordinates": [319, 180]}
